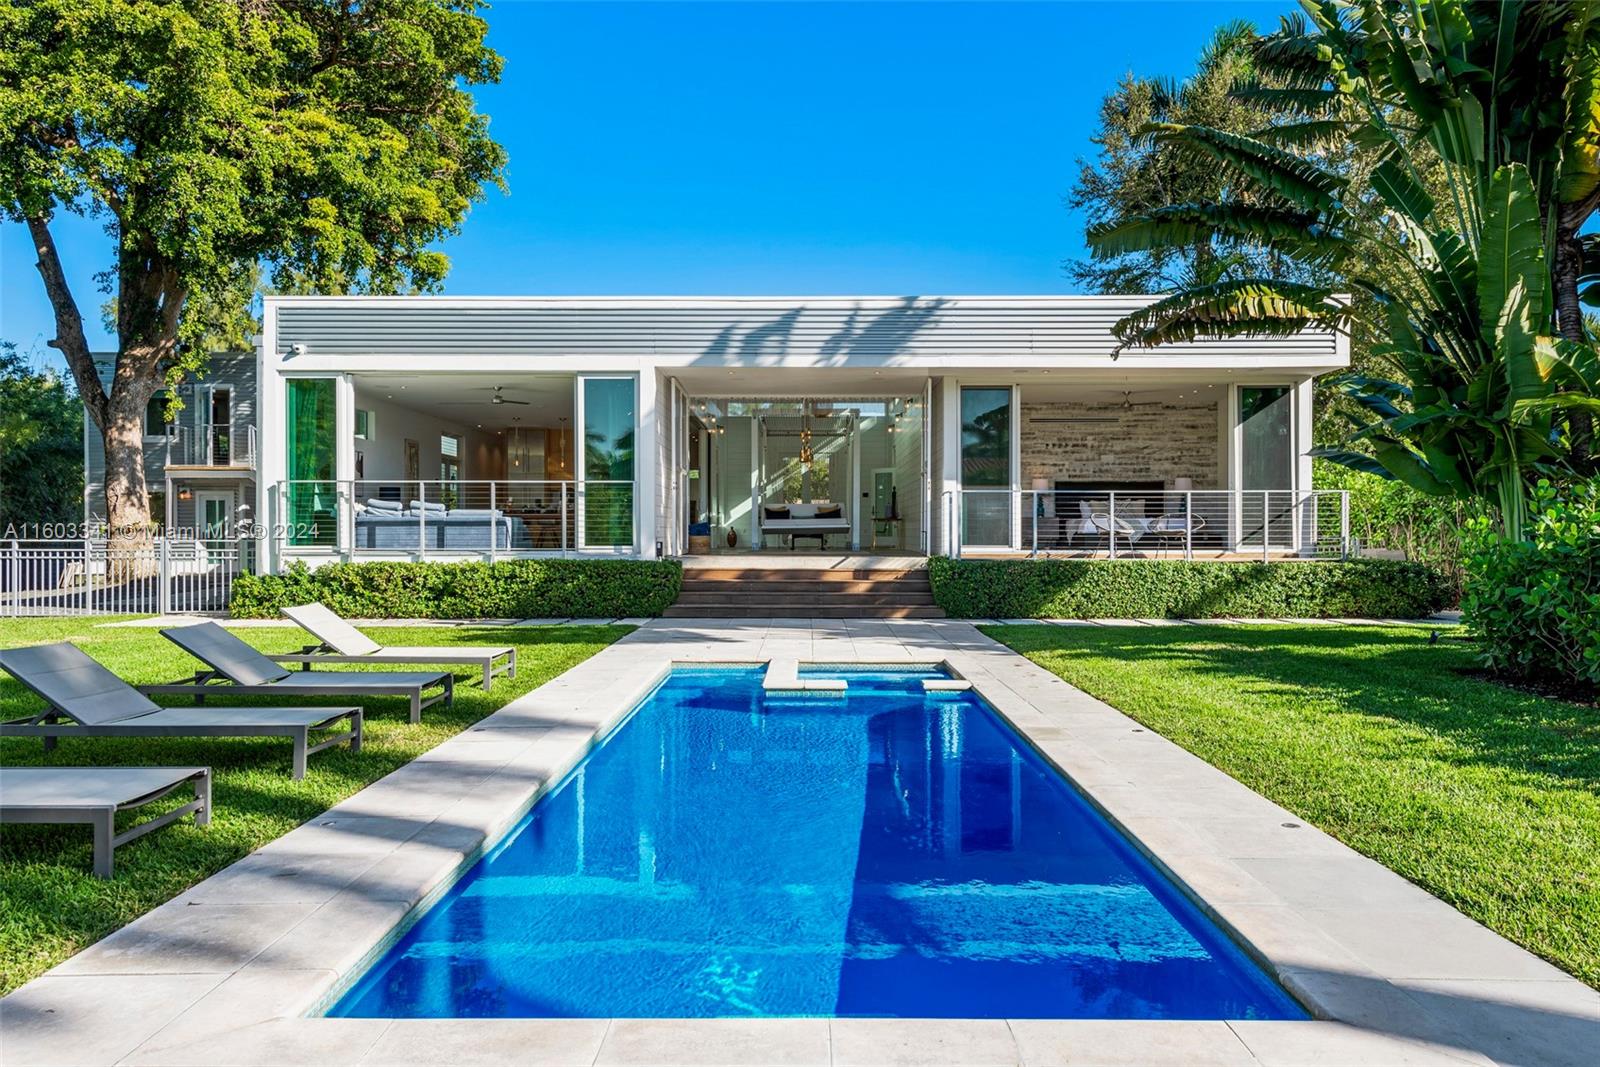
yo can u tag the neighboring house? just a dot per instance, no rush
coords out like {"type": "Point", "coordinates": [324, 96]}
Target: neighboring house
{"type": "Point", "coordinates": [201, 467]}
{"type": "Point", "coordinates": [449, 427]}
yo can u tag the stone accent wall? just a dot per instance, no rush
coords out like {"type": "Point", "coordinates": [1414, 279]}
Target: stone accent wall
{"type": "Point", "coordinates": [1148, 442]}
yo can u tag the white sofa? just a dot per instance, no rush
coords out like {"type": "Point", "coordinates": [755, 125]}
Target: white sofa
{"type": "Point", "coordinates": [804, 520]}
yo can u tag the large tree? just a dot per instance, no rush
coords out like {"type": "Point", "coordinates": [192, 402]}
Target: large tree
{"type": "Point", "coordinates": [332, 141]}
{"type": "Point", "coordinates": [1132, 173]}
{"type": "Point", "coordinates": [1480, 123]}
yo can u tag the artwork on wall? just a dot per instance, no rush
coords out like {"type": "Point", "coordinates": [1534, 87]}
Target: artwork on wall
{"type": "Point", "coordinates": [413, 461]}
{"type": "Point", "coordinates": [361, 465]}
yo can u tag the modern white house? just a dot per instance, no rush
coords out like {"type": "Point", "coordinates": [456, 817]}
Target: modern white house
{"type": "Point", "coordinates": [492, 427]}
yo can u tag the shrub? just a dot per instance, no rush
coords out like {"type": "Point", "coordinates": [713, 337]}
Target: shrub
{"type": "Point", "coordinates": [1389, 514]}
{"type": "Point", "coordinates": [1148, 589]}
{"type": "Point", "coordinates": [523, 588]}
{"type": "Point", "coordinates": [1534, 604]}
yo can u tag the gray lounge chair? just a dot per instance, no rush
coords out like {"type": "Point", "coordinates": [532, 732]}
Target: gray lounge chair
{"type": "Point", "coordinates": [342, 643]}
{"type": "Point", "coordinates": [237, 668]}
{"type": "Point", "coordinates": [99, 704]}
{"type": "Point", "coordinates": [94, 795]}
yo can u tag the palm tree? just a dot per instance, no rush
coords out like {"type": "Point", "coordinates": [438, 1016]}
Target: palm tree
{"type": "Point", "coordinates": [1477, 125]}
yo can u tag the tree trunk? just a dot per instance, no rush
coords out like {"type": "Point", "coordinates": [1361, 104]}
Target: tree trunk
{"type": "Point", "coordinates": [1566, 266]}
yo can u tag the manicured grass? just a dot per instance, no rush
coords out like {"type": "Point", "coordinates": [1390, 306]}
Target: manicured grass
{"type": "Point", "coordinates": [1486, 797]}
{"type": "Point", "coordinates": [50, 905]}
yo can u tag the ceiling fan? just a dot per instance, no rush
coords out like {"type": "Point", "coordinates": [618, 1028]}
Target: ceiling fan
{"type": "Point", "coordinates": [495, 398]}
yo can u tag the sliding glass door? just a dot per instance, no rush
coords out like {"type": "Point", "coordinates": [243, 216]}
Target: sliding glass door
{"type": "Point", "coordinates": [1265, 436]}
{"type": "Point", "coordinates": [986, 474]}
{"type": "Point", "coordinates": [311, 508]}
{"type": "Point", "coordinates": [609, 412]}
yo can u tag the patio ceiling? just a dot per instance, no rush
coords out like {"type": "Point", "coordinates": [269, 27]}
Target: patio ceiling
{"type": "Point", "coordinates": [468, 397]}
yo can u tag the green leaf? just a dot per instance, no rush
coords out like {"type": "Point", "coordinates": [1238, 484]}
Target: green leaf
{"type": "Point", "coordinates": [1395, 186]}
{"type": "Point", "coordinates": [1511, 252]}
{"type": "Point", "coordinates": [1356, 461]}
{"type": "Point", "coordinates": [1297, 234]}
{"type": "Point", "coordinates": [1408, 466]}
{"type": "Point", "coordinates": [1272, 170]}
{"type": "Point", "coordinates": [1245, 307]}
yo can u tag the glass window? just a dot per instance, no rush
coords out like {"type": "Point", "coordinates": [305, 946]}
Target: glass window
{"type": "Point", "coordinates": [363, 424]}
{"type": "Point", "coordinates": [311, 499]}
{"type": "Point", "coordinates": [1266, 441]}
{"type": "Point", "coordinates": [1266, 462]}
{"type": "Point", "coordinates": [986, 466]}
{"type": "Point", "coordinates": [155, 415]}
{"type": "Point", "coordinates": [608, 455]}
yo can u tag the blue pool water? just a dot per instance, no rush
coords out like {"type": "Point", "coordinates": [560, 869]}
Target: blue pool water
{"type": "Point", "coordinates": [880, 853]}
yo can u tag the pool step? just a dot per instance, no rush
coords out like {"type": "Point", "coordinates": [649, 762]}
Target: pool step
{"type": "Point", "coordinates": [790, 593]}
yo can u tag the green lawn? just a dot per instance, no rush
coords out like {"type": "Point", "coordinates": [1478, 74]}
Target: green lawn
{"type": "Point", "coordinates": [1487, 797]}
{"type": "Point", "coordinates": [50, 906]}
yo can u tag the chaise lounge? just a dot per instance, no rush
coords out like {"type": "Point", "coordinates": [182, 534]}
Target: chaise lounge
{"type": "Point", "coordinates": [339, 642]}
{"type": "Point", "coordinates": [95, 795]}
{"type": "Point", "coordinates": [237, 668]}
{"type": "Point", "coordinates": [99, 704]}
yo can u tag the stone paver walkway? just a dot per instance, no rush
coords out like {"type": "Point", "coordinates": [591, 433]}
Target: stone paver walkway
{"type": "Point", "coordinates": [227, 972]}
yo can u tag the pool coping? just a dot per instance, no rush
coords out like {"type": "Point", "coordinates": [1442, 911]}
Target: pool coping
{"type": "Point", "coordinates": [226, 972]}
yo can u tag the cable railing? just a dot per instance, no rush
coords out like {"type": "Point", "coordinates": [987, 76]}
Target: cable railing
{"type": "Point", "coordinates": [211, 445]}
{"type": "Point", "coordinates": [1152, 523]}
{"type": "Point", "coordinates": [488, 519]}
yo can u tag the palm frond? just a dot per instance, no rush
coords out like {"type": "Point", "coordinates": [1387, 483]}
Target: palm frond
{"type": "Point", "coordinates": [1298, 235]}
{"type": "Point", "coordinates": [1241, 308]}
{"type": "Point", "coordinates": [1272, 170]}
{"type": "Point", "coordinates": [1312, 133]}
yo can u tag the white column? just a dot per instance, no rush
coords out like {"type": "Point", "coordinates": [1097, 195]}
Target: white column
{"type": "Point", "coordinates": [647, 426]}
{"type": "Point", "coordinates": [947, 481]}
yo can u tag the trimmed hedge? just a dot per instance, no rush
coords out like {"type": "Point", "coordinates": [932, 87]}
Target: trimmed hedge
{"type": "Point", "coordinates": [1155, 589]}
{"type": "Point", "coordinates": [516, 589]}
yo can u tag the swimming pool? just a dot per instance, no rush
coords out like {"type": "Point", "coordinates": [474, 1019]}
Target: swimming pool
{"type": "Point", "coordinates": [878, 852]}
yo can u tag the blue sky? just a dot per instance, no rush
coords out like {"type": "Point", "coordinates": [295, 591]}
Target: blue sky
{"type": "Point", "coordinates": [784, 148]}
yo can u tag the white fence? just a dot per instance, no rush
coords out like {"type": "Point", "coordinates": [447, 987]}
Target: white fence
{"type": "Point", "coordinates": [163, 576]}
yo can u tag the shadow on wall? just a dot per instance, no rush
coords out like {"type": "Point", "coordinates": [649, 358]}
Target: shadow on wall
{"type": "Point", "coordinates": [884, 334]}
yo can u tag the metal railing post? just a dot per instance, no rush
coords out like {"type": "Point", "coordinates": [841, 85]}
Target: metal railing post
{"type": "Point", "coordinates": [494, 528]}
{"type": "Point", "coordinates": [422, 520]}
{"type": "Point", "coordinates": [1188, 525]}
{"type": "Point", "coordinates": [1111, 523]}
{"type": "Point", "coordinates": [562, 489]}
{"type": "Point", "coordinates": [1266, 525]}
{"type": "Point", "coordinates": [1034, 511]}
{"type": "Point", "coordinates": [14, 583]}
{"type": "Point", "coordinates": [1344, 525]}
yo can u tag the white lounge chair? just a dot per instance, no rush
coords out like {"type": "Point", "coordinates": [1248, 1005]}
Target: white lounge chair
{"type": "Point", "coordinates": [97, 703]}
{"type": "Point", "coordinates": [238, 668]}
{"type": "Point", "coordinates": [339, 642]}
{"type": "Point", "coordinates": [95, 795]}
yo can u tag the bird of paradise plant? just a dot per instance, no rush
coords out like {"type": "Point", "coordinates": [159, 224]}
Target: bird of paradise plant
{"type": "Point", "coordinates": [1467, 159]}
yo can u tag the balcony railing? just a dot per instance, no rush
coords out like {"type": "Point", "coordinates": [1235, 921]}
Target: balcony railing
{"type": "Point", "coordinates": [487, 519]}
{"type": "Point", "coordinates": [211, 445]}
{"type": "Point", "coordinates": [1191, 524]}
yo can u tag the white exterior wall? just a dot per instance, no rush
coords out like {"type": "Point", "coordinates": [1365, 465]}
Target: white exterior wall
{"type": "Point", "coordinates": [754, 346]}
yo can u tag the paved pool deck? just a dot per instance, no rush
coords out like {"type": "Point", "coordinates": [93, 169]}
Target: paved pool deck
{"type": "Point", "coordinates": [227, 972]}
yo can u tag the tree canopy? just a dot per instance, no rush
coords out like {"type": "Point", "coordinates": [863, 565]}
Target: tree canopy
{"type": "Point", "coordinates": [331, 142]}
{"type": "Point", "coordinates": [1478, 123]}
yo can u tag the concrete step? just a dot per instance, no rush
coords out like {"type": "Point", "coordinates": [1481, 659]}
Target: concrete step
{"type": "Point", "coordinates": [765, 596]}
{"type": "Point", "coordinates": [782, 574]}
{"type": "Point", "coordinates": [782, 588]}
{"type": "Point", "coordinates": [786, 611]}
